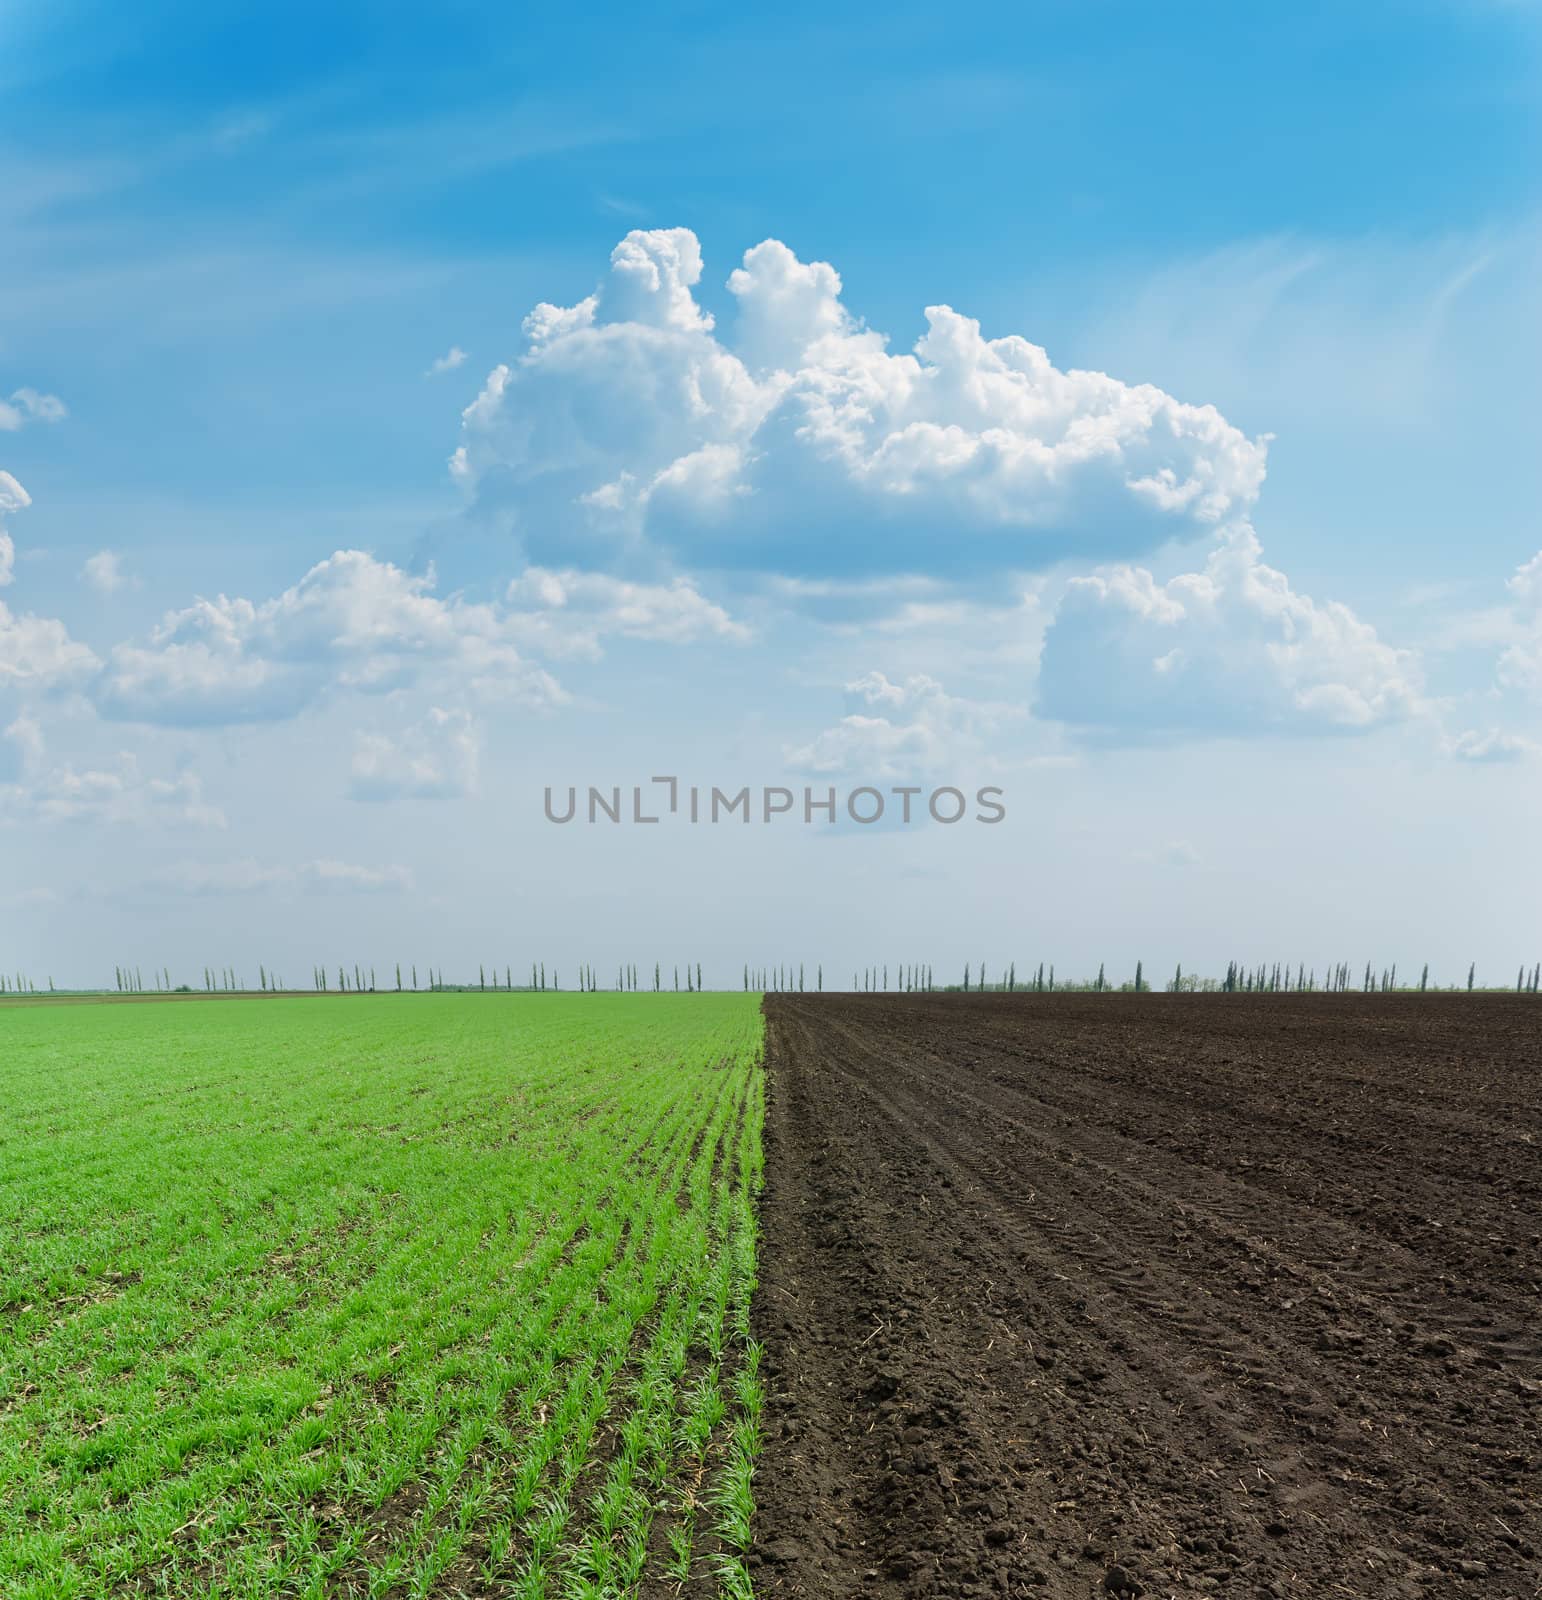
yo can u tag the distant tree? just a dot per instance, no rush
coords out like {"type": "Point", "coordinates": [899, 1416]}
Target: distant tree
{"type": "Point", "coordinates": [1178, 979]}
{"type": "Point", "coordinates": [966, 977]}
{"type": "Point", "coordinates": [1101, 979]}
{"type": "Point", "coordinates": [1472, 976]}
{"type": "Point", "coordinates": [800, 977]}
{"type": "Point", "coordinates": [1424, 979]}
{"type": "Point", "coordinates": [1140, 981]}
{"type": "Point", "coordinates": [655, 977]}
{"type": "Point", "coordinates": [819, 978]}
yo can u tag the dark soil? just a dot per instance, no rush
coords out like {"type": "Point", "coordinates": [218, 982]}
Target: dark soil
{"type": "Point", "coordinates": [1127, 1295]}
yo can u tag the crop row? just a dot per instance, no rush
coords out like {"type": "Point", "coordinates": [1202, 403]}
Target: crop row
{"type": "Point", "coordinates": [309, 1299]}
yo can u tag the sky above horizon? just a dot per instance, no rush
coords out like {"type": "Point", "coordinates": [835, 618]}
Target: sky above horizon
{"type": "Point", "coordinates": [1133, 412]}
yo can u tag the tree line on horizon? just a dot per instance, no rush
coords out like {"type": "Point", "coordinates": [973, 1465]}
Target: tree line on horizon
{"type": "Point", "coordinates": [783, 978]}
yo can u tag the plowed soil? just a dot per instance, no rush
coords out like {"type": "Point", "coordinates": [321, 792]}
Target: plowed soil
{"type": "Point", "coordinates": [1126, 1295]}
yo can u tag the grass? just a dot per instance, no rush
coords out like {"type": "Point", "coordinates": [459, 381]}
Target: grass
{"type": "Point", "coordinates": [402, 1296]}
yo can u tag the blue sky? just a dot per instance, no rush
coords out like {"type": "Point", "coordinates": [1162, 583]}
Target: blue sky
{"type": "Point", "coordinates": [1219, 565]}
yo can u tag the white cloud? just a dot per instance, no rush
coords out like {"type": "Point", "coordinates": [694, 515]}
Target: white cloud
{"type": "Point", "coordinates": [37, 653]}
{"type": "Point", "coordinates": [12, 498]}
{"type": "Point", "coordinates": [448, 362]}
{"type": "Point", "coordinates": [352, 622]}
{"type": "Point", "coordinates": [436, 759]}
{"type": "Point", "coordinates": [1520, 666]}
{"type": "Point", "coordinates": [800, 444]}
{"type": "Point", "coordinates": [104, 572]}
{"type": "Point", "coordinates": [1230, 650]}
{"type": "Point", "coordinates": [568, 613]}
{"type": "Point", "coordinates": [20, 746]}
{"type": "Point", "coordinates": [344, 877]}
{"type": "Point", "coordinates": [247, 876]}
{"type": "Point", "coordinates": [1491, 746]}
{"type": "Point", "coordinates": [35, 790]}
{"type": "Point", "coordinates": [901, 729]}
{"type": "Point", "coordinates": [27, 405]}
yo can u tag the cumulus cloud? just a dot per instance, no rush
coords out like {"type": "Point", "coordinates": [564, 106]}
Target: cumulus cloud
{"type": "Point", "coordinates": [436, 759]}
{"type": "Point", "coordinates": [247, 876]}
{"type": "Point", "coordinates": [352, 622]}
{"type": "Point", "coordinates": [12, 498]}
{"type": "Point", "coordinates": [798, 442]}
{"type": "Point", "coordinates": [448, 362]}
{"type": "Point", "coordinates": [33, 789]}
{"type": "Point", "coordinates": [1520, 666]}
{"type": "Point", "coordinates": [36, 653]}
{"type": "Point", "coordinates": [900, 729]}
{"type": "Point", "coordinates": [568, 613]}
{"type": "Point", "coordinates": [104, 572]}
{"type": "Point", "coordinates": [1491, 746]}
{"type": "Point", "coordinates": [1229, 650]}
{"type": "Point", "coordinates": [27, 405]}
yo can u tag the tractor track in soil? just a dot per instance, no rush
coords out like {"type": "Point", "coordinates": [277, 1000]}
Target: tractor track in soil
{"type": "Point", "coordinates": [1119, 1295]}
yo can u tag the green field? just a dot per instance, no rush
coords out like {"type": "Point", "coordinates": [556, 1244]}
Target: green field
{"type": "Point", "coordinates": [378, 1295]}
